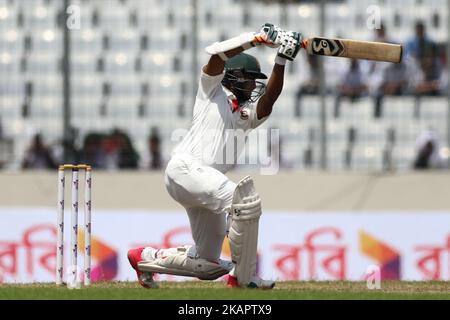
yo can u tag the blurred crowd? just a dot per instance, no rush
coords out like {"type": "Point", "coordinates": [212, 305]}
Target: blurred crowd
{"type": "Point", "coordinates": [422, 72]}
{"type": "Point", "coordinates": [115, 150]}
{"type": "Point", "coordinates": [107, 151]}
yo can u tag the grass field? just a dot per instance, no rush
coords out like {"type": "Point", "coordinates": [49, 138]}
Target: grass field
{"type": "Point", "coordinates": [197, 290]}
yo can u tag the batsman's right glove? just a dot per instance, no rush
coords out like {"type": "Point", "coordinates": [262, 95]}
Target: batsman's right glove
{"type": "Point", "coordinates": [270, 35]}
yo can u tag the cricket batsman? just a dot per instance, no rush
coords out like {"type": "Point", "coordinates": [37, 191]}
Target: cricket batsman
{"type": "Point", "coordinates": [216, 206]}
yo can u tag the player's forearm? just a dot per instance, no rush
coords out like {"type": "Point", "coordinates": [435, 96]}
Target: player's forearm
{"type": "Point", "coordinates": [275, 84]}
{"type": "Point", "coordinates": [273, 91]}
{"type": "Point", "coordinates": [224, 50]}
{"type": "Point", "coordinates": [289, 44]}
{"type": "Point", "coordinates": [216, 64]}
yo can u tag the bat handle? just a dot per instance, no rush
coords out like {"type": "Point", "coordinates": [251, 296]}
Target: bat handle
{"type": "Point", "coordinates": [304, 43]}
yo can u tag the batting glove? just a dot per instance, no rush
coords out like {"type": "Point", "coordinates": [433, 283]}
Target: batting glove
{"type": "Point", "coordinates": [291, 43]}
{"type": "Point", "coordinates": [269, 35]}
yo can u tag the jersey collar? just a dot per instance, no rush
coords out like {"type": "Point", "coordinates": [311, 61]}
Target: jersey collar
{"type": "Point", "coordinates": [232, 99]}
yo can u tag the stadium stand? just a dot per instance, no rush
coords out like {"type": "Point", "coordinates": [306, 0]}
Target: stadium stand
{"type": "Point", "coordinates": [127, 75]}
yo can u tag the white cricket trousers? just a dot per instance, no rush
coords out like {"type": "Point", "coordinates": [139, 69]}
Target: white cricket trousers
{"type": "Point", "coordinates": [205, 193]}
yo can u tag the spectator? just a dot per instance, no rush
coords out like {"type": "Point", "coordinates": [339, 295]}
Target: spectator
{"type": "Point", "coordinates": [309, 78]}
{"type": "Point", "coordinates": [113, 151]}
{"type": "Point", "coordinates": [353, 85]}
{"type": "Point", "coordinates": [154, 146]}
{"type": "Point", "coordinates": [394, 82]}
{"type": "Point", "coordinates": [420, 43]}
{"type": "Point", "coordinates": [111, 145]}
{"type": "Point", "coordinates": [38, 155]}
{"type": "Point", "coordinates": [386, 78]}
{"type": "Point", "coordinates": [428, 151]}
{"type": "Point", "coordinates": [93, 153]}
{"type": "Point", "coordinates": [67, 151]}
{"type": "Point", "coordinates": [429, 79]}
{"type": "Point", "coordinates": [311, 86]}
{"type": "Point", "coordinates": [128, 158]}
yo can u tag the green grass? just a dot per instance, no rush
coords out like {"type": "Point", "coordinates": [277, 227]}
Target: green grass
{"type": "Point", "coordinates": [203, 290]}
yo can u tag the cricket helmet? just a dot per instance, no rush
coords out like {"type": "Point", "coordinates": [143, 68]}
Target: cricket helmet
{"type": "Point", "coordinates": [239, 69]}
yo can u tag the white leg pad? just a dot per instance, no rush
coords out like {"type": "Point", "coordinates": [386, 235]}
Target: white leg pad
{"type": "Point", "coordinates": [243, 232]}
{"type": "Point", "coordinates": [183, 263]}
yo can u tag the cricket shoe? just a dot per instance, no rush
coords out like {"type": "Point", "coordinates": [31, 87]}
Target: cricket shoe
{"type": "Point", "coordinates": [255, 283]}
{"type": "Point", "coordinates": [145, 278]}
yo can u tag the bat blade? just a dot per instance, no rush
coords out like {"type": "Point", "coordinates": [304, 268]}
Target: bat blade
{"type": "Point", "coordinates": [346, 48]}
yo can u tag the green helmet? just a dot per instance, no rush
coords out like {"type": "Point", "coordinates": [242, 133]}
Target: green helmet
{"type": "Point", "coordinates": [239, 69]}
{"type": "Point", "coordinates": [245, 64]}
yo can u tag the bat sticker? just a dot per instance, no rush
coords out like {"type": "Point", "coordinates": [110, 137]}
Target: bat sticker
{"type": "Point", "coordinates": [327, 47]}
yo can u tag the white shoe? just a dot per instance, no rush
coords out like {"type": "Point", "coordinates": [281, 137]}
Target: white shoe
{"type": "Point", "coordinates": [257, 282]}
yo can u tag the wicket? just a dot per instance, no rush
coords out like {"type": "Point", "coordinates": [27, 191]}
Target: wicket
{"type": "Point", "coordinates": [73, 280]}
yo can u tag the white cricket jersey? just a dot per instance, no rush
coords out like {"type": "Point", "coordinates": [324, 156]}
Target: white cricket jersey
{"type": "Point", "coordinates": [210, 140]}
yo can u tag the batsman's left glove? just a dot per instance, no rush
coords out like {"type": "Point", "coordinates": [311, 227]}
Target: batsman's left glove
{"type": "Point", "coordinates": [291, 44]}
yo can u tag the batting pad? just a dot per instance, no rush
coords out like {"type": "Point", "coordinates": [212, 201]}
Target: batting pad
{"type": "Point", "coordinates": [180, 264]}
{"type": "Point", "coordinates": [243, 233]}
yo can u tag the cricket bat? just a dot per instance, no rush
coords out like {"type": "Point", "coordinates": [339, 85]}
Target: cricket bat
{"type": "Point", "coordinates": [355, 49]}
